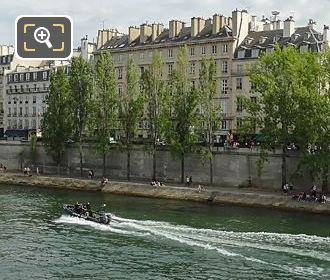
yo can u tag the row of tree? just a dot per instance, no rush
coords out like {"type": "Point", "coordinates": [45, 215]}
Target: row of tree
{"type": "Point", "coordinates": [293, 107]}
{"type": "Point", "coordinates": [87, 104]}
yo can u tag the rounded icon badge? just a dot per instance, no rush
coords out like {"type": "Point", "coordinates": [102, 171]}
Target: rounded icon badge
{"type": "Point", "coordinates": [39, 35]}
{"type": "Point", "coordinates": [43, 37]}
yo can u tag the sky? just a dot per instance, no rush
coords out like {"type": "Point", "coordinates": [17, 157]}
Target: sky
{"type": "Point", "coordinates": [90, 15]}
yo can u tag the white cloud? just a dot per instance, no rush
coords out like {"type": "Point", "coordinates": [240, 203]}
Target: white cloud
{"type": "Point", "coordinates": [89, 15]}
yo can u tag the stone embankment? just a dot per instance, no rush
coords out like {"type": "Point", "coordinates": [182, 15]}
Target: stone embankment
{"type": "Point", "coordinates": [233, 196]}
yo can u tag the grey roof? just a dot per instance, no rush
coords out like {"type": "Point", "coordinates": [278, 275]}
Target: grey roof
{"type": "Point", "coordinates": [303, 36]}
{"type": "Point", "coordinates": [184, 36]}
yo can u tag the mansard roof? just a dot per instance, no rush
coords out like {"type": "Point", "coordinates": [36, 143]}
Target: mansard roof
{"type": "Point", "coordinates": [303, 36]}
{"type": "Point", "coordinates": [122, 42]}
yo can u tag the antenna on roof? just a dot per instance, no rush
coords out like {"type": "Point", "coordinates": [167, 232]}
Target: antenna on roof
{"type": "Point", "coordinates": [275, 14]}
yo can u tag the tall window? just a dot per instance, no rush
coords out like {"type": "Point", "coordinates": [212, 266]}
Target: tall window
{"type": "Point", "coordinates": [120, 90]}
{"type": "Point", "coordinates": [203, 50]}
{"type": "Point", "coordinates": [224, 86]}
{"type": "Point", "coordinates": [170, 68]}
{"type": "Point", "coordinates": [192, 51]}
{"type": "Point", "coordinates": [170, 52]}
{"type": "Point", "coordinates": [214, 49]}
{"type": "Point", "coordinates": [239, 103]}
{"type": "Point", "coordinates": [44, 75]}
{"type": "Point", "coordinates": [15, 77]}
{"type": "Point", "coordinates": [34, 99]}
{"type": "Point", "coordinates": [224, 67]}
{"type": "Point", "coordinates": [225, 48]}
{"type": "Point", "coordinates": [253, 99]}
{"type": "Point", "coordinates": [239, 68]}
{"type": "Point", "coordinates": [192, 68]}
{"type": "Point", "coordinates": [224, 125]}
{"type": "Point", "coordinates": [21, 77]}
{"type": "Point", "coordinates": [239, 83]}
{"type": "Point", "coordinates": [120, 73]}
{"type": "Point", "coordinates": [26, 124]}
{"type": "Point", "coordinates": [27, 76]}
{"type": "Point", "coordinates": [35, 76]}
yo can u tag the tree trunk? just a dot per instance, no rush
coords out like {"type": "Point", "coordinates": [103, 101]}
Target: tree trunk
{"type": "Point", "coordinates": [104, 164]}
{"type": "Point", "coordinates": [325, 175]}
{"type": "Point", "coordinates": [154, 161]}
{"type": "Point", "coordinates": [128, 164]}
{"type": "Point", "coordinates": [81, 159]}
{"type": "Point", "coordinates": [284, 175]}
{"type": "Point", "coordinates": [211, 164]}
{"type": "Point", "coordinates": [182, 167]}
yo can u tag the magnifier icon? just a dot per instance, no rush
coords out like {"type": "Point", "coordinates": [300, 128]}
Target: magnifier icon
{"type": "Point", "coordinates": [41, 35]}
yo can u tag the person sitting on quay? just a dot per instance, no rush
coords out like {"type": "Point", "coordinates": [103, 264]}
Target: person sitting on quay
{"type": "Point", "coordinates": [104, 181]}
{"type": "Point", "coordinates": [156, 184]}
{"type": "Point", "coordinates": [200, 188]}
{"type": "Point", "coordinates": [90, 174]}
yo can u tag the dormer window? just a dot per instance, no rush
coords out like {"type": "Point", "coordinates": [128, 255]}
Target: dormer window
{"type": "Point", "coordinates": [296, 36]}
{"type": "Point", "coordinates": [241, 53]}
{"type": "Point", "coordinates": [307, 35]}
{"type": "Point", "coordinates": [275, 39]}
{"type": "Point", "coordinates": [269, 50]}
{"type": "Point", "coordinates": [248, 41]}
{"type": "Point", "coordinates": [255, 53]}
{"type": "Point", "coordinates": [262, 40]}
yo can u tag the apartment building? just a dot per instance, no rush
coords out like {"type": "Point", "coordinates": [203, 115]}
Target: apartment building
{"type": "Point", "coordinates": [234, 42]}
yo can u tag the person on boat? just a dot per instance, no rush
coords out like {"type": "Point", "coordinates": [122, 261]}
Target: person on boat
{"type": "Point", "coordinates": [89, 211]}
{"type": "Point", "coordinates": [76, 207]}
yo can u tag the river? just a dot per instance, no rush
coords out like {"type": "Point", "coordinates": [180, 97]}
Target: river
{"type": "Point", "coordinates": [156, 239]}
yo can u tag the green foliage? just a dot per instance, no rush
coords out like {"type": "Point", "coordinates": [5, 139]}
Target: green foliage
{"type": "Point", "coordinates": [284, 81]}
{"type": "Point", "coordinates": [182, 131]}
{"type": "Point", "coordinates": [81, 84]}
{"type": "Point", "coordinates": [157, 96]}
{"type": "Point", "coordinates": [56, 124]}
{"type": "Point", "coordinates": [130, 108]}
{"type": "Point", "coordinates": [104, 104]}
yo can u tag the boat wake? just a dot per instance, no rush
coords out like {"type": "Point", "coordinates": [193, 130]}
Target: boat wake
{"type": "Point", "coordinates": [244, 245]}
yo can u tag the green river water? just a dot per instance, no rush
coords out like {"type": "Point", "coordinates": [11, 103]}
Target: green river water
{"type": "Point", "coordinates": [156, 239]}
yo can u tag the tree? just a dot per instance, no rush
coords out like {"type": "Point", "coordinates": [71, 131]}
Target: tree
{"type": "Point", "coordinates": [210, 111]}
{"type": "Point", "coordinates": [56, 124]}
{"type": "Point", "coordinates": [104, 109]}
{"type": "Point", "coordinates": [80, 95]}
{"type": "Point", "coordinates": [130, 109]}
{"type": "Point", "coordinates": [283, 81]}
{"type": "Point", "coordinates": [181, 134]}
{"type": "Point", "coordinates": [155, 91]}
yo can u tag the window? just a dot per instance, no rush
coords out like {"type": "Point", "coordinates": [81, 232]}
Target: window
{"type": "Point", "coordinates": [35, 76]}
{"type": "Point", "coordinates": [9, 112]}
{"type": "Point", "coordinates": [192, 68]}
{"type": "Point", "coordinates": [141, 125]}
{"type": "Point", "coordinates": [255, 52]}
{"type": "Point", "coordinates": [241, 53]}
{"type": "Point", "coordinates": [21, 99]}
{"type": "Point", "coordinates": [141, 70]}
{"type": "Point", "coordinates": [239, 83]}
{"type": "Point", "coordinates": [9, 123]}
{"type": "Point", "coordinates": [27, 76]}
{"type": "Point", "coordinates": [253, 86]}
{"type": "Point", "coordinates": [239, 68]}
{"type": "Point", "coordinates": [239, 122]}
{"type": "Point", "coordinates": [44, 75]}
{"type": "Point", "coordinates": [192, 51]}
{"type": "Point", "coordinates": [120, 90]}
{"type": "Point", "coordinates": [141, 55]}
{"type": "Point", "coordinates": [15, 77]}
{"type": "Point", "coordinates": [224, 66]}
{"type": "Point", "coordinates": [34, 111]}
{"type": "Point", "coordinates": [214, 49]}
{"type": "Point", "coordinates": [192, 84]}
{"type": "Point", "coordinates": [120, 58]}
{"type": "Point", "coordinates": [170, 68]}
{"type": "Point", "coordinates": [224, 107]}
{"type": "Point", "coordinates": [21, 111]}
{"type": "Point", "coordinates": [9, 78]}
{"type": "Point", "coordinates": [120, 73]}
{"type": "Point", "coordinates": [224, 48]}
{"type": "Point", "coordinates": [224, 125]}
{"type": "Point", "coordinates": [26, 99]}
{"type": "Point", "coordinates": [22, 88]}
{"type": "Point", "coordinates": [26, 111]}
{"type": "Point", "coordinates": [239, 103]}
{"type": "Point", "coordinates": [253, 99]}
{"type": "Point", "coordinates": [26, 126]}
{"type": "Point", "coordinates": [203, 49]}
{"type": "Point", "coordinates": [15, 112]}
{"type": "Point", "coordinates": [224, 86]}
{"type": "Point", "coordinates": [170, 52]}
{"type": "Point", "coordinates": [21, 77]}
{"type": "Point", "coordinates": [34, 99]}
{"type": "Point", "coordinates": [34, 123]}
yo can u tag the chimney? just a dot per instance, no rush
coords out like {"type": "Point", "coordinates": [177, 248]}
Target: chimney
{"type": "Point", "coordinates": [241, 22]}
{"type": "Point", "coordinates": [312, 24]}
{"type": "Point", "coordinates": [216, 24]}
{"type": "Point", "coordinates": [288, 27]}
{"type": "Point", "coordinates": [279, 24]}
{"type": "Point", "coordinates": [326, 36]}
{"type": "Point", "coordinates": [230, 22]}
{"type": "Point", "coordinates": [268, 26]}
{"type": "Point", "coordinates": [197, 24]}
{"type": "Point", "coordinates": [208, 22]}
{"type": "Point", "coordinates": [133, 33]}
{"type": "Point", "coordinates": [103, 36]}
{"type": "Point", "coordinates": [145, 32]}
{"type": "Point", "coordinates": [157, 29]}
{"type": "Point", "coordinates": [175, 28]}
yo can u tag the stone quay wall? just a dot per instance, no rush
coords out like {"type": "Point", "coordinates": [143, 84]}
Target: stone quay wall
{"type": "Point", "coordinates": [231, 168]}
